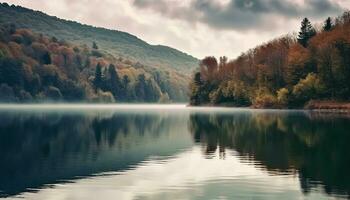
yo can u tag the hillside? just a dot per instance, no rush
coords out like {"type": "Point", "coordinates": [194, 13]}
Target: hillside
{"type": "Point", "coordinates": [38, 68]}
{"type": "Point", "coordinates": [287, 72]}
{"type": "Point", "coordinates": [119, 44]}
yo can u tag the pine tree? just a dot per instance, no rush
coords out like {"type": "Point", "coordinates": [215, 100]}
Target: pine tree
{"type": "Point", "coordinates": [46, 58]}
{"type": "Point", "coordinates": [306, 32]}
{"type": "Point", "coordinates": [114, 81]}
{"type": "Point", "coordinates": [328, 24]}
{"type": "Point", "coordinates": [126, 81]}
{"type": "Point", "coordinates": [125, 87]}
{"type": "Point", "coordinates": [140, 87]}
{"type": "Point", "coordinates": [94, 45]}
{"type": "Point", "coordinates": [98, 77]}
{"type": "Point", "coordinates": [196, 90]}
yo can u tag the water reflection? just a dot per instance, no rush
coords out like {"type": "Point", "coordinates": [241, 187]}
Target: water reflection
{"type": "Point", "coordinates": [182, 153]}
{"type": "Point", "coordinates": [313, 146]}
{"type": "Point", "coordinates": [38, 148]}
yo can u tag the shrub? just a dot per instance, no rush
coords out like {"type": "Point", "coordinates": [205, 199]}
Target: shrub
{"type": "Point", "coordinates": [53, 93]}
{"type": "Point", "coordinates": [282, 96]}
{"type": "Point", "coordinates": [264, 99]}
{"type": "Point", "coordinates": [104, 97]}
{"type": "Point", "coordinates": [7, 94]}
{"type": "Point", "coordinates": [309, 88]}
{"type": "Point", "coordinates": [25, 96]}
{"type": "Point", "coordinates": [17, 38]}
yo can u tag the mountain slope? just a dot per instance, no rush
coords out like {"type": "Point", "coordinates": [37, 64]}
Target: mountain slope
{"type": "Point", "coordinates": [117, 43]}
{"type": "Point", "coordinates": [37, 68]}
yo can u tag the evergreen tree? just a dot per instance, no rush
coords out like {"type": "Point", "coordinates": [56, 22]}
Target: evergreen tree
{"type": "Point", "coordinates": [152, 92]}
{"type": "Point", "coordinates": [94, 45]}
{"type": "Point", "coordinates": [125, 87]}
{"type": "Point", "coordinates": [46, 58]}
{"type": "Point", "coordinates": [11, 72]}
{"type": "Point", "coordinates": [114, 81]}
{"type": "Point", "coordinates": [140, 88]}
{"type": "Point", "coordinates": [98, 77]}
{"type": "Point", "coordinates": [328, 24]}
{"type": "Point", "coordinates": [306, 32]}
{"type": "Point", "coordinates": [126, 82]}
{"type": "Point", "coordinates": [197, 78]}
{"type": "Point", "coordinates": [195, 97]}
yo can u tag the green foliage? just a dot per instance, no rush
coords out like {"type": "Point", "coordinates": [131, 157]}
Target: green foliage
{"type": "Point", "coordinates": [10, 71]}
{"type": "Point", "coordinates": [98, 77]}
{"type": "Point", "coordinates": [7, 94]}
{"type": "Point", "coordinates": [114, 84]}
{"type": "Point", "coordinates": [94, 45]}
{"type": "Point", "coordinates": [328, 24]}
{"type": "Point", "coordinates": [230, 93]}
{"type": "Point", "coordinates": [306, 32]}
{"type": "Point", "coordinates": [195, 90]}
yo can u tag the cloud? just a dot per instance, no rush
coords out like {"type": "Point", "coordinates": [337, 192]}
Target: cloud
{"type": "Point", "coordinates": [240, 15]}
{"type": "Point", "coordinates": [198, 27]}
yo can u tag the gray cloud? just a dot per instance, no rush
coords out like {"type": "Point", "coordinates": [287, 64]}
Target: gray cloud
{"type": "Point", "coordinates": [241, 14]}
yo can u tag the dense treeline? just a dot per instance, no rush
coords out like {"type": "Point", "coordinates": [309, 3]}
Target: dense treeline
{"type": "Point", "coordinates": [285, 72]}
{"type": "Point", "coordinates": [35, 68]}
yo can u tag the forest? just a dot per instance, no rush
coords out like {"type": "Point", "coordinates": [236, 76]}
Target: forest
{"type": "Point", "coordinates": [38, 68]}
{"type": "Point", "coordinates": [117, 43]}
{"type": "Point", "coordinates": [292, 71]}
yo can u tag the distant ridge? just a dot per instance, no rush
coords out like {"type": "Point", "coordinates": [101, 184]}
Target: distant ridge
{"type": "Point", "coordinates": [115, 42]}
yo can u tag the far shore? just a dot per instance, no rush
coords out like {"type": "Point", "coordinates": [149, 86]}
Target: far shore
{"type": "Point", "coordinates": [319, 106]}
{"type": "Point", "coordinates": [328, 106]}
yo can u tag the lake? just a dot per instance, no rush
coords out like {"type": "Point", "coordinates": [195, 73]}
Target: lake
{"type": "Point", "coordinates": [171, 152]}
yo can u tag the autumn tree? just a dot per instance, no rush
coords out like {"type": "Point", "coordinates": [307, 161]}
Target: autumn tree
{"type": "Point", "coordinates": [297, 65]}
{"type": "Point", "coordinates": [209, 68]}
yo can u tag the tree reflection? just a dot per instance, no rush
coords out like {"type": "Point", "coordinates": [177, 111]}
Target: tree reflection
{"type": "Point", "coordinates": [46, 148]}
{"type": "Point", "coordinates": [315, 146]}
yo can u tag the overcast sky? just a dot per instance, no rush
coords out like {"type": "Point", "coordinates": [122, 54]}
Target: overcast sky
{"type": "Point", "coordinates": [197, 27]}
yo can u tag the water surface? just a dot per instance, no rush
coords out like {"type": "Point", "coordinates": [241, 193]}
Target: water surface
{"type": "Point", "coordinates": [171, 152]}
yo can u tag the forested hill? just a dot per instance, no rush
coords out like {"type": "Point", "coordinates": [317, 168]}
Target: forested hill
{"type": "Point", "coordinates": [120, 44]}
{"type": "Point", "coordinates": [37, 68]}
{"type": "Point", "coordinates": [286, 72]}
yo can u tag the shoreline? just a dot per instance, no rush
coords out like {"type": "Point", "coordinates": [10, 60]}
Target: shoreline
{"type": "Point", "coordinates": [315, 106]}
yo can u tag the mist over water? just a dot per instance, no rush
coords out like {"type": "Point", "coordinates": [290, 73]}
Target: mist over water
{"type": "Point", "coordinates": [171, 152]}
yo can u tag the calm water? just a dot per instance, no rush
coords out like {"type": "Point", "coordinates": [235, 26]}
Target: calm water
{"type": "Point", "coordinates": [171, 152]}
